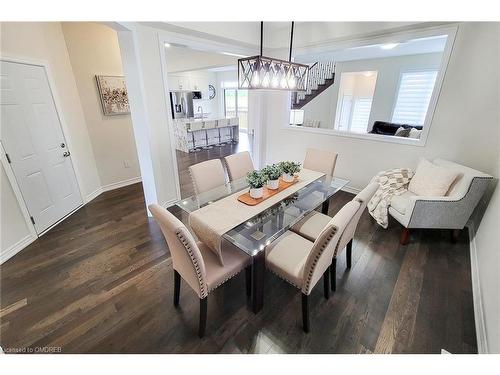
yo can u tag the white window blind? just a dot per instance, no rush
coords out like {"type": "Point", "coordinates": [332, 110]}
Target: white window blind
{"type": "Point", "coordinates": [414, 95]}
{"type": "Point", "coordinates": [361, 115]}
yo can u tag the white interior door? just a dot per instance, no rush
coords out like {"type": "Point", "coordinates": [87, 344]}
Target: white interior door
{"type": "Point", "coordinates": [33, 140]}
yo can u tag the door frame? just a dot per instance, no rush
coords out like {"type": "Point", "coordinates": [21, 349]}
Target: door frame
{"type": "Point", "coordinates": [65, 132]}
{"type": "Point", "coordinates": [201, 43]}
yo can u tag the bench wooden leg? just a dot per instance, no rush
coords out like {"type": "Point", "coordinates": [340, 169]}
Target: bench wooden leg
{"type": "Point", "coordinates": [405, 236]}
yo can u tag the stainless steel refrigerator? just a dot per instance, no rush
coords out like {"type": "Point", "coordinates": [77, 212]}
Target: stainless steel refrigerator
{"type": "Point", "coordinates": [182, 103]}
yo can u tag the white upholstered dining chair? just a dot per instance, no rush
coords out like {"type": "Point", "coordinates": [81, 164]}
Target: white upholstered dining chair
{"type": "Point", "coordinates": [312, 225]}
{"type": "Point", "coordinates": [302, 262]}
{"type": "Point", "coordinates": [320, 161]}
{"type": "Point", "coordinates": [207, 175]}
{"type": "Point", "coordinates": [196, 264]}
{"type": "Point", "coordinates": [238, 165]}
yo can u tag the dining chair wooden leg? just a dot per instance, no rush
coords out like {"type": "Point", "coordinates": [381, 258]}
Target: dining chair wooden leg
{"type": "Point", "coordinates": [248, 280]}
{"type": "Point", "coordinates": [348, 254]}
{"type": "Point", "coordinates": [326, 283]}
{"type": "Point", "coordinates": [305, 312]}
{"type": "Point", "coordinates": [203, 316]}
{"type": "Point", "coordinates": [177, 288]}
{"type": "Point", "coordinates": [333, 274]}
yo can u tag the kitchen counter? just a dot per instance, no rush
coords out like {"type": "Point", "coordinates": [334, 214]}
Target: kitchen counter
{"type": "Point", "coordinates": [192, 133]}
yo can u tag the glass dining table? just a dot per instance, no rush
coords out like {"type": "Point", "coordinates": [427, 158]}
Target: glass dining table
{"type": "Point", "coordinates": [253, 235]}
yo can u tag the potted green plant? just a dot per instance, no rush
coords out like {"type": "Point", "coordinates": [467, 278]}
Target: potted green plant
{"type": "Point", "coordinates": [273, 173]}
{"type": "Point", "coordinates": [289, 168]}
{"type": "Point", "coordinates": [256, 180]}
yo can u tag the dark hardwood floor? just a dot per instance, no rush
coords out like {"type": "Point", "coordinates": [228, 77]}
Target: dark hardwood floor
{"type": "Point", "coordinates": [102, 282]}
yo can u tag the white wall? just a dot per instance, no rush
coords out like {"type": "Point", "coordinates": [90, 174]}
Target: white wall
{"type": "Point", "coordinates": [44, 42]}
{"type": "Point", "coordinates": [93, 50]}
{"type": "Point", "coordinates": [143, 67]}
{"type": "Point", "coordinates": [388, 69]}
{"type": "Point", "coordinates": [186, 59]}
{"type": "Point", "coordinates": [488, 259]}
{"type": "Point", "coordinates": [457, 133]}
{"type": "Point", "coordinates": [13, 226]}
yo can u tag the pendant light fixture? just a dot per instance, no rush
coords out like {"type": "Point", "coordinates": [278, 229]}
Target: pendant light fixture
{"type": "Point", "coordinates": [267, 73]}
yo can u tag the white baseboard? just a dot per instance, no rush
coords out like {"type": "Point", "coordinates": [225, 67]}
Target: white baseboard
{"type": "Point", "coordinates": [93, 195]}
{"type": "Point", "coordinates": [482, 343]}
{"type": "Point", "coordinates": [17, 247]}
{"type": "Point", "coordinates": [109, 187]}
{"type": "Point", "coordinates": [120, 184]}
{"type": "Point", "coordinates": [350, 189]}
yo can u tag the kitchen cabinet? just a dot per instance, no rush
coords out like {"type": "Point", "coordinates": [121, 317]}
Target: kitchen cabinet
{"type": "Point", "coordinates": [179, 82]}
{"type": "Point", "coordinates": [191, 81]}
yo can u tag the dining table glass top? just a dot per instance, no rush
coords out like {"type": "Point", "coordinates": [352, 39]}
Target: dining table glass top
{"type": "Point", "coordinates": [256, 233]}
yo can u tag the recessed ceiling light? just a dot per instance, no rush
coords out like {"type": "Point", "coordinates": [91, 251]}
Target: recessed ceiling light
{"type": "Point", "coordinates": [167, 45]}
{"type": "Point", "coordinates": [389, 45]}
{"type": "Point", "coordinates": [233, 54]}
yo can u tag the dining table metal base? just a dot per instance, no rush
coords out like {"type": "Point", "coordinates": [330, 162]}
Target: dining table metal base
{"type": "Point", "coordinates": [325, 206]}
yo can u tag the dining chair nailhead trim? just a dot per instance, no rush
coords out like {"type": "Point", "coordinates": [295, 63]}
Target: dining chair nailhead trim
{"type": "Point", "coordinates": [223, 281]}
{"type": "Point", "coordinates": [203, 289]}
{"type": "Point", "coordinates": [284, 278]}
{"type": "Point", "coordinates": [195, 185]}
{"type": "Point", "coordinates": [325, 243]}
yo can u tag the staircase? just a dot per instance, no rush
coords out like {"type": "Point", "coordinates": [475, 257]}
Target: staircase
{"type": "Point", "coordinates": [321, 76]}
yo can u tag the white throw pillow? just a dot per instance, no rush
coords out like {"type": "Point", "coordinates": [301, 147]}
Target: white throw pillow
{"type": "Point", "coordinates": [415, 133]}
{"type": "Point", "coordinates": [431, 180]}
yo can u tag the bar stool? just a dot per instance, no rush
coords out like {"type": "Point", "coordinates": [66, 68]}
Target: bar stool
{"type": "Point", "coordinates": [222, 123]}
{"type": "Point", "coordinates": [195, 129]}
{"type": "Point", "coordinates": [233, 122]}
{"type": "Point", "coordinates": [218, 144]}
{"type": "Point", "coordinates": [203, 127]}
{"type": "Point", "coordinates": [212, 132]}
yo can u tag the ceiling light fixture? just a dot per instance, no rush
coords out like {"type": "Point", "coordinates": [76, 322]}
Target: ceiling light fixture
{"type": "Point", "coordinates": [389, 45]}
{"type": "Point", "coordinates": [267, 73]}
{"type": "Point", "coordinates": [233, 54]}
{"type": "Point", "coordinates": [167, 45]}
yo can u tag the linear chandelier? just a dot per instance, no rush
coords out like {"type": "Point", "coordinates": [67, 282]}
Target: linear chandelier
{"type": "Point", "coordinates": [267, 73]}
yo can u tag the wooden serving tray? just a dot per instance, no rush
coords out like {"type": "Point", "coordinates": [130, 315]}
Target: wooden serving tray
{"type": "Point", "coordinates": [268, 193]}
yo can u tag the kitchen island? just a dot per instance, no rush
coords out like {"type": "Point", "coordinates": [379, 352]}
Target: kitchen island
{"type": "Point", "coordinates": [194, 133]}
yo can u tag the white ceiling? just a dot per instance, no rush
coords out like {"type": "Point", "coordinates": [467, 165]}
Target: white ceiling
{"type": "Point", "coordinates": [409, 47]}
{"type": "Point", "coordinates": [277, 34]}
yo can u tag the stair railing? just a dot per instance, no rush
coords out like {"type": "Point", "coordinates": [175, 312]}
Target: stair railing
{"type": "Point", "coordinates": [319, 72]}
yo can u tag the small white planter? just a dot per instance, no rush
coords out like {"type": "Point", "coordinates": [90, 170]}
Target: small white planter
{"type": "Point", "coordinates": [273, 184]}
{"type": "Point", "coordinates": [287, 177]}
{"type": "Point", "coordinates": [256, 193]}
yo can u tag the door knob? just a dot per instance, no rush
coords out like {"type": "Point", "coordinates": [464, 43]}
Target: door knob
{"type": "Point", "coordinates": [66, 154]}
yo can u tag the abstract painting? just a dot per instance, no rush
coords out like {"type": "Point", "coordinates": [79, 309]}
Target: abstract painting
{"type": "Point", "coordinates": [113, 92]}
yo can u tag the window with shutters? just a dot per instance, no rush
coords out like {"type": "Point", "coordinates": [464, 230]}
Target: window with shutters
{"type": "Point", "coordinates": [413, 98]}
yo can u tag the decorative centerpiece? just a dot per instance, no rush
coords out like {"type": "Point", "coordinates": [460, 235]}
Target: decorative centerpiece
{"type": "Point", "coordinates": [289, 168]}
{"type": "Point", "coordinates": [272, 173]}
{"type": "Point", "coordinates": [256, 180]}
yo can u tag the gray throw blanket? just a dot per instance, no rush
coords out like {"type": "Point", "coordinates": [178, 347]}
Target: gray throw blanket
{"type": "Point", "coordinates": [391, 182]}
